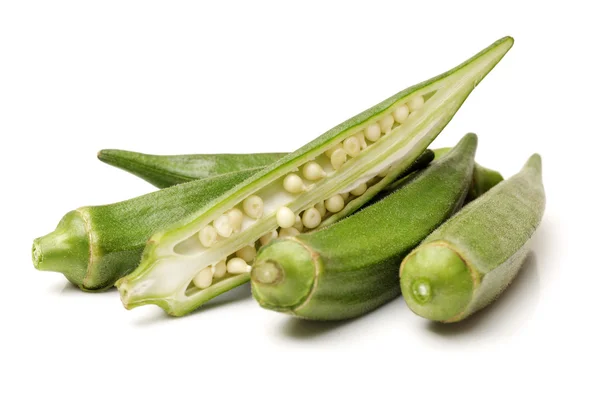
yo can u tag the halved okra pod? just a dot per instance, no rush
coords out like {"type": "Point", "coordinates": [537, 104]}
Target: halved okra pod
{"type": "Point", "coordinates": [165, 171]}
{"type": "Point", "coordinates": [467, 262]}
{"type": "Point", "coordinates": [350, 268]}
{"type": "Point", "coordinates": [94, 246]}
{"type": "Point", "coordinates": [327, 178]}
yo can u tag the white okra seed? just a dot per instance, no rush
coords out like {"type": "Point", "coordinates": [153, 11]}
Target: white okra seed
{"type": "Point", "coordinates": [298, 224]}
{"type": "Point", "coordinates": [293, 184]}
{"type": "Point", "coordinates": [361, 140]}
{"type": "Point", "coordinates": [266, 238]}
{"type": "Point", "coordinates": [246, 253]}
{"type": "Point", "coordinates": [386, 123]}
{"type": "Point", "coordinates": [223, 226]}
{"type": "Point", "coordinates": [237, 266]}
{"type": "Point", "coordinates": [330, 150]}
{"type": "Point", "coordinates": [203, 279]}
{"type": "Point", "coordinates": [287, 232]}
{"type": "Point", "coordinates": [373, 132]}
{"type": "Point", "coordinates": [235, 219]}
{"type": "Point", "coordinates": [313, 171]}
{"type": "Point", "coordinates": [415, 103]}
{"type": "Point", "coordinates": [360, 189]}
{"type": "Point", "coordinates": [352, 146]}
{"type": "Point", "coordinates": [401, 113]}
{"type": "Point", "coordinates": [285, 217]}
{"type": "Point", "coordinates": [219, 269]}
{"type": "Point", "coordinates": [338, 158]}
{"type": "Point", "coordinates": [384, 172]}
{"type": "Point", "coordinates": [311, 218]}
{"type": "Point", "coordinates": [320, 206]}
{"type": "Point", "coordinates": [208, 236]}
{"type": "Point", "coordinates": [345, 196]}
{"type": "Point", "coordinates": [253, 206]}
{"type": "Point", "coordinates": [334, 203]}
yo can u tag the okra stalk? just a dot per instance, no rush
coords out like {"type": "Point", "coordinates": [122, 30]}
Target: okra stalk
{"type": "Point", "coordinates": [467, 262]}
{"type": "Point", "coordinates": [164, 171]}
{"type": "Point", "coordinates": [96, 245]}
{"type": "Point", "coordinates": [211, 251]}
{"type": "Point", "coordinates": [350, 268]}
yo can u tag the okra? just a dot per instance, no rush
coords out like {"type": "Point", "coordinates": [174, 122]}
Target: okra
{"type": "Point", "coordinates": [483, 178]}
{"type": "Point", "coordinates": [94, 246]}
{"type": "Point", "coordinates": [211, 251]}
{"type": "Point", "coordinates": [164, 171]}
{"type": "Point", "coordinates": [467, 262]}
{"type": "Point", "coordinates": [350, 268]}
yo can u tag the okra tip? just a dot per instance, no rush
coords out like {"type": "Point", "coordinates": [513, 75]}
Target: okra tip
{"type": "Point", "coordinates": [436, 283]}
{"type": "Point", "coordinates": [286, 283]}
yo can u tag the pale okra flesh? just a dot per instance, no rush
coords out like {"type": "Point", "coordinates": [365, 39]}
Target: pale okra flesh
{"type": "Point", "coordinates": [468, 261]}
{"type": "Point", "coordinates": [350, 268]}
{"type": "Point", "coordinates": [365, 152]}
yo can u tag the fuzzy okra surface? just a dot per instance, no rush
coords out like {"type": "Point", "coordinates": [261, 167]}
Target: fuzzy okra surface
{"type": "Point", "coordinates": [211, 250]}
{"type": "Point", "coordinates": [467, 262]}
{"type": "Point", "coordinates": [350, 268]}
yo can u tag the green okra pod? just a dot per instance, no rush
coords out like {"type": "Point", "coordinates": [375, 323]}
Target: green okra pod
{"type": "Point", "coordinates": [350, 268]}
{"type": "Point", "coordinates": [164, 171]}
{"type": "Point", "coordinates": [96, 245]}
{"type": "Point", "coordinates": [467, 262]}
{"type": "Point", "coordinates": [211, 250]}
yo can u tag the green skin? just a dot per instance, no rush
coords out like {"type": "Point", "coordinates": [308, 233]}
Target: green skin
{"type": "Point", "coordinates": [165, 171]}
{"type": "Point", "coordinates": [96, 245]}
{"type": "Point", "coordinates": [483, 178]}
{"type": "Point", "coordinates": [350, 268]}
{"type": "Point", "coordinates": [467, 262]}
{"type": "Point", "coordinates": [173, 257]}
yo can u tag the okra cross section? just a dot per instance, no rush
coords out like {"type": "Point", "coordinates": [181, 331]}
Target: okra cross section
{"type": "Point", "coordinates": [212, 250]}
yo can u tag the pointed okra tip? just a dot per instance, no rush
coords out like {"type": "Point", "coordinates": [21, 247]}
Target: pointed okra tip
{"type": "Point", "coordinates": [283, 275]}
{"type": "Point", "coordinates": [436, 283]}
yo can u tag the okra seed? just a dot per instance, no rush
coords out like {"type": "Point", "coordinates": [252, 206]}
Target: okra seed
{"type": "Point", "coordinates": [223, 226]}
{"type": "Point", "coordinates": [386, 123]}
{"type": "Point", "coordinates": [208, 236]}
{"type": "Point", "coordinates": [383, 173]}
{"type": "Point", "coordinates": [401, 113]}
{"type": "Point", "coordinates": [345, 196]}
{"type": "Point", "coordinates": [334, 203]}
{"type": "Point", "coordinates": [253, 206]}
{"type": "Point", "coordinates": [298, 224]}
{"type": "Point", "coordinates": [287, 232]}
{"type": "Point", "coordinates": [313, 171]}
{"type": "Point", "coordinates": [352, 146]}
{"type": "Point", "coordinates": [219, 269]}
{"type": "Point", "coordinates": [293, 184]}
{"type": "Point", "coordinates": [415, 103]}
{"type": "Point", "coordinates": [266, 238]}
{"type": "Point", "coordinates": [360, 189]}
{"type": "Point", "coordinates": [237, 266]}
{"type": "Point", "coordinates": [320, 206]}
{"type": "Point", "coordinates": [361, 140]}
{"type": "Point", "coordinates": [246, 253]}
{"type": "Point", "coordinates": [235, 219]}
{"type": "Point", "coordinates": [203, 279]}
{"type": "Point", "coordinates": [373, 132]}
{"type": "Point", "coordinates": [311, 218]}
{"type": "Point", "coordinates": [330, 151]}
{"type": "Point", "coordinates": [285, 217]}
{"type": "Point", "coordinates": [338, 158]}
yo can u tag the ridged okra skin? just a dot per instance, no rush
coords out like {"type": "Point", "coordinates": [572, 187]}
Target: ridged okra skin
{"type": "Point", "coordinates": [164, 171]}
{"type": "Point", "coordinates": [483, 178]}
{"type": "Point", "coordinates": [467, 262]}
{"type": "Point", "coordinates": [326, 179]}
{"type": "Point", "coordinates": [350, 268]}
{"type": "Point", "coordinates": [96, 245]}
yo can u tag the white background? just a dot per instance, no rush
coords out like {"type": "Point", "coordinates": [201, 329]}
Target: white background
{"type": "Point", "coordinates": [185, 77]}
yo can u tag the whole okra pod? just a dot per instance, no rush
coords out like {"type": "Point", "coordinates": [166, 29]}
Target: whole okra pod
{"type": "Point", "coordinates": [350, 268]}
{"type": "Point", "coordinates": [468, 261]}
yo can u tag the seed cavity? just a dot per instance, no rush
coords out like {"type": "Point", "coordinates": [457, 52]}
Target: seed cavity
{"type": "Point", "coordinates": [208, 236]}
{"type": "Point", "coordinates": [383, 173]}
{"type": "Point", "coordinates": [288, 232]}
{"type": "Point", "coordinates": [266, 238]}
{"type": "Point", "coordinates": [329, 152]}
{"type": "Point", "coordinates": [237, 266]}
{"type": "Point", "coordinates": [361, 140]}
{"type": "Point", "coordinates": [334, 204]}
{"type": "Point", "coordinates": [223, 227]}
{"type": "Point", "coordinates": [219, 269]}
{"type": "Point", "coordinates": [246, 253]}
{"type": "Point", "coordinates": [320, 206]}
{"type": "Point", "coordinates": [360, 189]}
{"type": "Point", "coordinates": [285, 217]}
{"type": "Point", "coordinates": [338, 158]}
{"type": "Point", "coordinates": [313, 171]}
{"type": "Point", "coordinates": [203, 279]}
{"type": "Point", "coordinates": [298, 224]}
{"type": "Point", "coordinates": [345, 196]}
{"type": "Point", "coordinates": [311, 218]}
{"type": "Point", "coordinates": [293, 184]}
{"type": "Point", "coordinates": [253, 207]}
